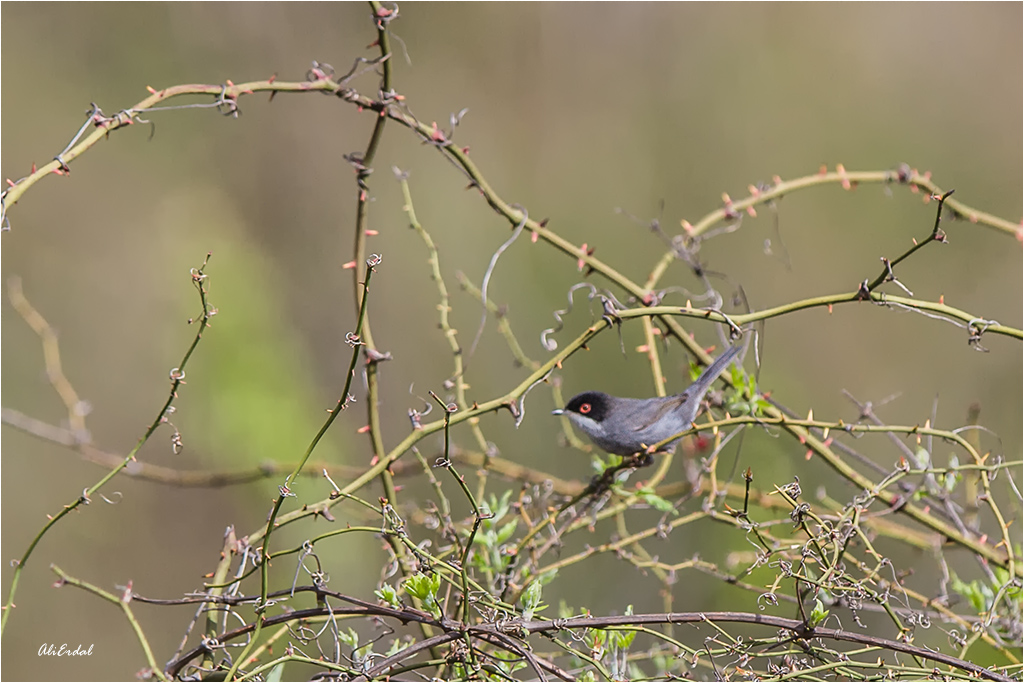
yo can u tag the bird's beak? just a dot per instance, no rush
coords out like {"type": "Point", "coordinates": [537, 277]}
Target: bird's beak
{"type": "Point", "coordinates": [557, 411]}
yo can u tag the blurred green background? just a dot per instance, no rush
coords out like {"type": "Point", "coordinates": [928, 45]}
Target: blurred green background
{"type": "Point", "coordinates": [574, 110]}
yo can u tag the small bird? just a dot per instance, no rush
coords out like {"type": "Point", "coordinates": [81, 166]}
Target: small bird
{"type": "Point", "coordinates": [625, 426]}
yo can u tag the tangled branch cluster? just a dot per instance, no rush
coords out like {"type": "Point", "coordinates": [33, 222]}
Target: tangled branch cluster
{"type": "Point", "coordinates": [467, 597]}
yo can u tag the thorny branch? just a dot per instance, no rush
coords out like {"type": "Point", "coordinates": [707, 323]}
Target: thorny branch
{"type": "Point", "coordinates": [476, 584]}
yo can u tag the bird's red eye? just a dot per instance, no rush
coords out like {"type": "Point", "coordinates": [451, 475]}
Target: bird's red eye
{"type": "Point", "coordinates": [584, 409]}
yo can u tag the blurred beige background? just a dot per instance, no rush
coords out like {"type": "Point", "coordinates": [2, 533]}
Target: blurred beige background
{"type": "Point", "coordinates": [574, 110]}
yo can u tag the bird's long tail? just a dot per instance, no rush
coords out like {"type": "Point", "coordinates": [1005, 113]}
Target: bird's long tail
{"type": "Point", "coordinates": [708, 377]}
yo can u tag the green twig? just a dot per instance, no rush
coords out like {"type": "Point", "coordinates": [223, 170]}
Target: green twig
{"type": "Point", "coordinates": [285, 490]}
{"type": "Point", "coordinates": [177, 376]}
{"type": "Point", "coordinates": [123, 603]}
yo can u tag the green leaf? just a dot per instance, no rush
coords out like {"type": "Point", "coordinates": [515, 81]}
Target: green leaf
{"type": "Point", "coordinates": [656, 501]}
{"type": "Point", "coordinates": [389, 595]}
{"type": "Point", "coordinates": [484, 538]}
{"type": "Point", "coordinates": [548, 576]}
{"type": "Point", "coordinates": [530, 599]}
{"type": "Point", "coordinates": [424, 588]}
{"type": "Point", "coordinates": [951, 479]}
{"type": "Point", "coordinates": [497, 508]}
{"type": "Point", "coordinates": [351, 638]}
{"type": "Point", "coordinates": [505, 532]}
{"type": "Point", "coordinates": [818, 614]}
{"type": "Point", "coordinates": [978, 594]}
{"type": "Point", "coordinates": [621, 639]}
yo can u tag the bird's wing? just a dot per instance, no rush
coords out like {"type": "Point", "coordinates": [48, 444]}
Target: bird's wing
{"type": "Point", "coordinates": [667, 406]}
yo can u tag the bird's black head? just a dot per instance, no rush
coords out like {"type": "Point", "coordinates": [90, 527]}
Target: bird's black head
{"type": "Point", "coordinates": [592, 404]}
